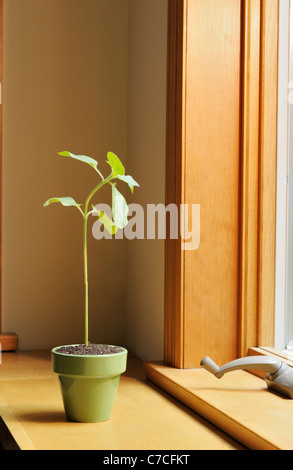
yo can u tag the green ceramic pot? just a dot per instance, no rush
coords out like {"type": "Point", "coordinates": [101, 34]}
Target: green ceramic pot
{"type": "Point", "coordinates": [88, 383]}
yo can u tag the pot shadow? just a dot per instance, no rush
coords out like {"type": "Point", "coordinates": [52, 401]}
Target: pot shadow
{"type": "Point", "coordinates": [44, 417]}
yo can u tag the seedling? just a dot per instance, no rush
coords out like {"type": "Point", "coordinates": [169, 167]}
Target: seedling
{"type": "Point", "coordinates": [119, 209]}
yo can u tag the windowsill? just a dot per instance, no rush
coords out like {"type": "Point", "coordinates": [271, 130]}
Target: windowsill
{"type": "Point", "coordinates": [144, 417]}
{"type": "Point", "coordinates": [239, 403]}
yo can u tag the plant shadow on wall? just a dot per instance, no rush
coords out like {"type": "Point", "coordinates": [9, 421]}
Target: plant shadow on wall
{"type": "Point", "coordinates": [89, 373]}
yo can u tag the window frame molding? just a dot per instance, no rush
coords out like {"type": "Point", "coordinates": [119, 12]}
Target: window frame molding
{"type": "Point", "coordinates": [258, 166]}
{"type": "Point", "coordinates": [173, 324]}
{"type": "Point", "coordinates": [8, 341]}
{"type": "Point", "coordinates": [1, 139]}
{"type": "Point", "coordinates": [282, 175]}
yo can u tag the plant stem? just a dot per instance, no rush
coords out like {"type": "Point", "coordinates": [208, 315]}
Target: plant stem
{"type": "Point", "coordinates": [86, 286]}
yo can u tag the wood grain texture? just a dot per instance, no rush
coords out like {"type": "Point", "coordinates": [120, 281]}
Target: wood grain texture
{"type": "Point", "coordinates": [239, 403]}
{"type": "Point", "coordinates": [259, 163]}
{"type": "Point", "coordinates": [32, 409]}
{"type": "Point", "coordinates": [250, 174]}
{"type": "Point", "coordinates": [1, 90]}
{"type": "Point", "coordinates": [221, 154]}
{"type": "Point", "coordinates": [174, 173]}
{"type": "Point", "coordinates": [203, 168]}
{"type": "Point", "coordinates": [212, 178]}
{"type": "Point", "coordinates": [268, 171]}
{"type": "Point", "coordinates": [8, 342]}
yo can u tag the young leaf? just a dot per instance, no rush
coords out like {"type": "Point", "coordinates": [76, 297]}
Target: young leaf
{"type": "Point", "coordinates": [81, 158]}
{"type": "Point", "coordinates": [119, 208]}
{"type": "Point", "coordinates": [115, 164]}
{"type": "Point", "coordinates": [65, 201]}
{"type": "Point", "coordinates": [129, 180]}
{"type": "Point", "coordinates": [106, 221]}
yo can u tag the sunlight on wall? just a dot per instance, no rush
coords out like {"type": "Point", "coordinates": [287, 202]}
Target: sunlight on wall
{"type": "Point", "coordinates": [86, 76]}
{"type": "Point", "coordinates": [65, 88]}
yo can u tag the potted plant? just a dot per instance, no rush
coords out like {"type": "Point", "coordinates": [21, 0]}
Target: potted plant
{"type": "Point", "coordinates": [89, 373]}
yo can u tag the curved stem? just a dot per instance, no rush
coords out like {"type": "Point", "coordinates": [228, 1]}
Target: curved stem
{"type": "Point", "coordinates": [102, 183]}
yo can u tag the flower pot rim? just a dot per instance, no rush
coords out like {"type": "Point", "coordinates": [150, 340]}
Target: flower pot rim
{"type": "Point", "coordinates": [84, 356]}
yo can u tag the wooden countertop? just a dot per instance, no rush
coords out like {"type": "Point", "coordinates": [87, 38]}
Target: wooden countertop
{"type": "Point", "coordinates": [144, 417]}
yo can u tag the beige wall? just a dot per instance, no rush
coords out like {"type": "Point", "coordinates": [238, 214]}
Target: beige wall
{"type": "Point", "coordinates": [77, 78]}
{"type": "Point", "coordinates": [65, 79]}
{"type": "Point", "coordinates": [147, 54]}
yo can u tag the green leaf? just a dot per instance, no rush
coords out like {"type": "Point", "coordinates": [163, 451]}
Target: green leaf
{"type": "Point", "coordinates": [115, 164]}
{"type": "Point", "coordinates": [119, 208]}
{"type": "Point", "coordinates": [106, 221]}
{"type": "Point", "coordinates": [65, 201]}
{"type": "Point", "coordinates": [81, 158]}
{"type": "Point", "coordinates": [129, 180]}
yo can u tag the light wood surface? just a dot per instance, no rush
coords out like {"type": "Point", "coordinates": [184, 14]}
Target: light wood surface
{"type": "Point", "coordinates": [239, 403]}
{"type": "Point", "coordinates": [144, 417]}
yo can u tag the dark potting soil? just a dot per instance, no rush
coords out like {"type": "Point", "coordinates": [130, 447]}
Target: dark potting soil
{"type": "Point", "coordinates": [90, 349]}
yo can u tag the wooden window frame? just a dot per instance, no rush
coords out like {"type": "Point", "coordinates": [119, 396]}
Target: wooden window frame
{"type": "Point", "coordinates": [258, 166]}
{"type": "Point", "coordinates": [257, 212]}
{"type": "Point", "coordinates": [8, 341]}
